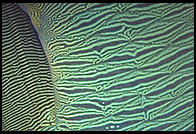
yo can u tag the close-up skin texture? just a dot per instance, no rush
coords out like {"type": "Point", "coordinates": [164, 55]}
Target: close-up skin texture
{"type": "Point", "coordinates": [98, 67]}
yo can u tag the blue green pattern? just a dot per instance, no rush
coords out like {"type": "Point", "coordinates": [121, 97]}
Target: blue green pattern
{"type": "Point", "coordinates": [98, 66]}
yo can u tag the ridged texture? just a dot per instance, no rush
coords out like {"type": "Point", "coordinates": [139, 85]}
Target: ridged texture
{"type": "Point", "coordinates": [119, 66]}
{"type": "Point", "coordinates": [28, 99]}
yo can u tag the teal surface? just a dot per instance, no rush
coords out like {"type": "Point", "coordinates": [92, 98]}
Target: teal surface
{"type": "Point", "coordinates": [111, 67]}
